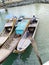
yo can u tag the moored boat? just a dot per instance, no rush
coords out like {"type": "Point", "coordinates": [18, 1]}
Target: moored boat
{"type": "Point", "coordinates": [8, 29]}
{"type": "Point", "coordinates": [29, 34]}
{"type": "Point", "coordinates": [13, 40]}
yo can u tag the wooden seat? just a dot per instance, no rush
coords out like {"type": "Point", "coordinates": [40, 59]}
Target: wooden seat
{"type": "Point", "coordinates": [9, 24]}
{"type": "Point", "coordinates": [32, 25]}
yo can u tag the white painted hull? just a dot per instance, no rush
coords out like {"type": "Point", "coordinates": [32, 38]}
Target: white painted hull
{"type": "Point", "coordinates": [23, 44]}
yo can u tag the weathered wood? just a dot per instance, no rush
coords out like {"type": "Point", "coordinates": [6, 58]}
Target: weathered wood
{"type": "Point", "coordinates": [10, 44]}
{"type": "Point", "coordinates": [6, 35]}
{"type": "Point", "coordinates": [25, 41]}
{"type": "Point", "coordinates": [36, 51]}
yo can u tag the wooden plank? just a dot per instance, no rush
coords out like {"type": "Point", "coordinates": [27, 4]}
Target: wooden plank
{"type": "Point", "coordinates": [9, 24]}
{"type": "Point", "coordinates": [33, 25]}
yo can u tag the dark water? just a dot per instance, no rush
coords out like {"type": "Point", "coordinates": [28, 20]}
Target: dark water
{"type": "Point", "coordinates": [42, 35]}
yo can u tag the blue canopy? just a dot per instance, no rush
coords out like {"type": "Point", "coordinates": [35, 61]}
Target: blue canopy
{"type": "Point", "coordinates": [21, 26]}
{"type": "Point", "coordinates": [8, 16]}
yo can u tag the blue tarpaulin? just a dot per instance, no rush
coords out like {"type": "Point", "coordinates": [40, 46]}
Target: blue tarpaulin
{"type": "Point", "coordinates": [8, 16]}
{"type": "Point", "coordinates": [21, 26]}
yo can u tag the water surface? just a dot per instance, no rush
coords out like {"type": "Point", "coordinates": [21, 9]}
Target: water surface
{"type": "Point", "coordinates": [42, 36]}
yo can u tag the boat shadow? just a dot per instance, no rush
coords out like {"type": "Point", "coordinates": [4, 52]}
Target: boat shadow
{"type": "Point", "coordinates": [18, 58]}
{"type": "Point", "coordinates": [22, 57]}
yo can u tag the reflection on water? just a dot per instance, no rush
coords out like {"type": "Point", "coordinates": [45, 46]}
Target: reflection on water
{"type": "Point", "coordinates": [22, 58]}
{"type": "Point", "coordinates": [42, 36]}
{"type": "Point", "coordinates": [18, 61]}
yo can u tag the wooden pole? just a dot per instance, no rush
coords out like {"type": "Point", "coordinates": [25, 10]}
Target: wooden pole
{"type": "Point", "coordinates": [36, 51]}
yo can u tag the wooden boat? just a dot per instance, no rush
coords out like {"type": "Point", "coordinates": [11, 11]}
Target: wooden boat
{"type": "Point", "coordinates": [11, 43]}
{"type": "Point", "coordinates": [29, 34]}
{"type": "Point", "coordinates": [8, 29]}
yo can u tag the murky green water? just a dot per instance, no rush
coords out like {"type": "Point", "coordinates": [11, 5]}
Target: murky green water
{"type": "Point", "coordinates": [2, 21]}
{"type": "Point", "coordinates": [42, 35]}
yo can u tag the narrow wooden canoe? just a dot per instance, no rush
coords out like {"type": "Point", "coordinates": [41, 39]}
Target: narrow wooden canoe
{"type": "Point", "coordinates": [25, 41]}
{"type": "Point", "coordinates": [5, 35]}
{"type": "Point", "coordinates": [10, 44]}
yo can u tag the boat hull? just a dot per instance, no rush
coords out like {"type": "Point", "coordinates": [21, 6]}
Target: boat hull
{"type": "Point", "coordinates": [25, 42]}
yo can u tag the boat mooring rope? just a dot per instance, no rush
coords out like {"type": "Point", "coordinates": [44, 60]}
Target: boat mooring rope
{"type": "Point", "coordinates": [36, 51]}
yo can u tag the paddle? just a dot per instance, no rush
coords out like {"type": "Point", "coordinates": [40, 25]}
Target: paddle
{"type": "Point", "coordinates": [36, 51]}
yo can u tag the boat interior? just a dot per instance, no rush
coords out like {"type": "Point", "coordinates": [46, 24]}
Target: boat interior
{"type": "Point", "coordinates": [30, 30]}
{"type": "Point", "coordinates": [14, 39]}
{"type": "Point", "coordinates": [6, 32]}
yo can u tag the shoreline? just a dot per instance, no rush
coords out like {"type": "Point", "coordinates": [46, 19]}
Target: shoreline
{"type": "Point", "coordinates": [22, 3]}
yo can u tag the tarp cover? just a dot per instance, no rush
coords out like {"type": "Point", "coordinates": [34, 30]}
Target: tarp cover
{"type": "Point", "coordinates": [9, 16]}
{"type": "Point", "coordinates": [21, 26]}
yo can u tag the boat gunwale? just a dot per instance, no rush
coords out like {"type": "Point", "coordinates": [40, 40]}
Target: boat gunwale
{"type": "Point", "coordinates": [14, 21]}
